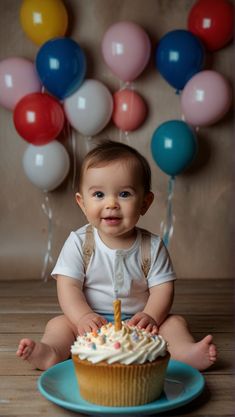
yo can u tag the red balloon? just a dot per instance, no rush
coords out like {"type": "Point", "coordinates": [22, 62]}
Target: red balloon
{"type": "Point", "coordinates": [38, 118]}
{"type": "Point", "coordinates": [129, 110]}
{"type": "Point", "coordinates": [212, 22]}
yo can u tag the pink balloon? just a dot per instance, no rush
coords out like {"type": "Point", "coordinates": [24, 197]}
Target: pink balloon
{"type": "Point", "coordinates": [126, 50]}
{"type": "Point", "coordinates": [206, 98]}
{"type": "Point", "coordinates": [18, 77]}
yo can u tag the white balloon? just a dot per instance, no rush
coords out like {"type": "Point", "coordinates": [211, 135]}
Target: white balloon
{"type": "Point", "coordinates": [90, 108]}
{"type": "Point", "coordinates": [46, 166]}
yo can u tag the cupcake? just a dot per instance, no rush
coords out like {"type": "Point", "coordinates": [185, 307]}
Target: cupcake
{"type": "Point", "coordinates": [120, 368]}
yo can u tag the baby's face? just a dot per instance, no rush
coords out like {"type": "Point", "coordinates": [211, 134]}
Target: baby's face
{"type": "Point", "coordinates": [112, 198]}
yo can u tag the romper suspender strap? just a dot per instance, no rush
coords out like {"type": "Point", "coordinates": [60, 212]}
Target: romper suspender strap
{"type": "Point", "coordinates": [145, 252]}
{"type": "Point", "coordinates": [89, 245]}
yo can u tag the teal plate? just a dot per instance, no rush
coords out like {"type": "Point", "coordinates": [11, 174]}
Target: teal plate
{"type": "Point", "coordinates": [182, 384]}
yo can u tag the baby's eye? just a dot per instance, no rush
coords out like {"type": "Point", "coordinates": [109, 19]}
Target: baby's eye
{"type": "Point", "coordinates": [98, 194]}
{"type": "Point", "coordinates": [125, 194]}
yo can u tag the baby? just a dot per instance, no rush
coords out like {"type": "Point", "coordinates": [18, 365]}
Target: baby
{"type": "Point", "coordinates": [111, 257]}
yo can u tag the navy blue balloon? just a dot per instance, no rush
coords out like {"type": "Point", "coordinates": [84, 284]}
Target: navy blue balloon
{"type": "Point", "coordinates": [61, 66]}
{"type": "Point", "coordinates": [178, 56]}
{"type": "Point", "coordinates": [173, 146]}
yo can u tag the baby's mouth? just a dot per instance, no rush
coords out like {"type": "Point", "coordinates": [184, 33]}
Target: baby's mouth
{"type": "Point", "coordinates": [111, 219]}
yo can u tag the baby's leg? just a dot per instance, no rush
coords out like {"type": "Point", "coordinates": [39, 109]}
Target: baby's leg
{"type": "Point", "coordinates": [183, 347]}
{"type": "Point", "coordinates": [54, 346]}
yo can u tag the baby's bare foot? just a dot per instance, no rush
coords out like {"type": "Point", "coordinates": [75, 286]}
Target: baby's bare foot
{"type": "Point", "coordinates": [201, 355]}
{"type": "Point", "coordinates": [38, 354]}
{"type": "Point", "coordinates": [25, 348]}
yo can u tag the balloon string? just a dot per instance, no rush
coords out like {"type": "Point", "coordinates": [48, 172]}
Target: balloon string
{"type": "Point", "coordinates": [127, 85]}
{"type": "Point", "coordinates": [124, 136]}
{"type": "Point", "coordinates": [48, 260]}
{"type": "Point", "coordinates": [70, 134]}
{"type": "Point", "coordinates": [89, 143]}
{"type": "Point", "coordinates": [127, 138]}
{"type": "Point", "coordinates": [169, 227]}
{"type": "Point", "coordinates": [74, 143]}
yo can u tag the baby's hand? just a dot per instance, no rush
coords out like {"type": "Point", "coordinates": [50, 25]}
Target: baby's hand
{"type": "Point", "coordinates": [144, 321]}
{"type": "Point", "coordinates": [90, 322]}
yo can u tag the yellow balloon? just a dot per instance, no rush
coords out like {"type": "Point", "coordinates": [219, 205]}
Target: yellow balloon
{"type": "Point", "coordinates": [42, 20]}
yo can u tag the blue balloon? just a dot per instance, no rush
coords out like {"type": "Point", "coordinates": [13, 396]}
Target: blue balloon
{"type": "Point", "coordinates": [178, 56]}
{"type": "Point", "coordinates": [61, 66]}
{"type": "Point", "coordinates": [173, 146]}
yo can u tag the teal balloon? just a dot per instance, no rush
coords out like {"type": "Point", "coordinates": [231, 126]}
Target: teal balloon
{"type": "Point", "coordinates": [173, 146]}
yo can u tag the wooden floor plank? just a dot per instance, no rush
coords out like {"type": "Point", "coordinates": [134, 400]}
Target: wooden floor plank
{"type": "Point", "coordinates": [28, 288]}
{"type": "Point", "coordinates": [26, 323]}
{"type": "Point", "coordinates": [29, 305]}
{"type": "Point", "coordinates": [204, 286]}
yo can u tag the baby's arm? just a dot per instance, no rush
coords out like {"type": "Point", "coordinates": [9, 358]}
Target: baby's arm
{"type": "Point", "coordinates": [75, 306]}
{"type": "Point", "coordinates": [157, 307]}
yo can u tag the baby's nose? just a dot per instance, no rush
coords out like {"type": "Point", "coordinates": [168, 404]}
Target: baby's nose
{"type": "Point", "coordinates": [112, 202]}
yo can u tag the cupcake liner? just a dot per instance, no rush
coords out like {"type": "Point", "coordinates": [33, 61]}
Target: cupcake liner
{"type": "Point", "coordinates": [118, 384]}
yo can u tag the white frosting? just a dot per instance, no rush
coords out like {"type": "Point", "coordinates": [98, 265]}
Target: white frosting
{"type": "Point", "coordinates": [127, 346]}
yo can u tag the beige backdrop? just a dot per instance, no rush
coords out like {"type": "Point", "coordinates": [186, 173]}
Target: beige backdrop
{"type": "Point", "coordinates": [202, 244]}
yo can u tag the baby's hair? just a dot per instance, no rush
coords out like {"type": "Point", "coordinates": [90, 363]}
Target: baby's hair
{"type": "Point", "coordinates": [109, 151]}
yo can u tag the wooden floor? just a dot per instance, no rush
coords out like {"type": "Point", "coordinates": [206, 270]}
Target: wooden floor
{"type": "Point", "coordinates": [25, 308]}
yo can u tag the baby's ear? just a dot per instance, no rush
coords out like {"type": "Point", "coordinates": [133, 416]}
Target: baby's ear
{"type": "Point", "coordinates": [148, 199]}
{"type": "Point", "coordinates": [80, 201]}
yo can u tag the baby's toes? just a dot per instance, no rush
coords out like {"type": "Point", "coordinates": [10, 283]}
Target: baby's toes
{"type": "Point", "coordinates": [212, 350]}
{"type": "Point", "coordinates": [26, 352]}
{"type": "Point", "coordinates": [24, 346]}
{"type": "Point", "coordinates": [28, 349]}
{"type": "Point", "coordinates": [212, 353]}
{"type": "Point", "coordinates": [21, 348]}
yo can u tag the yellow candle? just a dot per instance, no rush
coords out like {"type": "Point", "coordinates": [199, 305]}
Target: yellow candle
{"type": "Point", "coordinates": [117, 315]}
